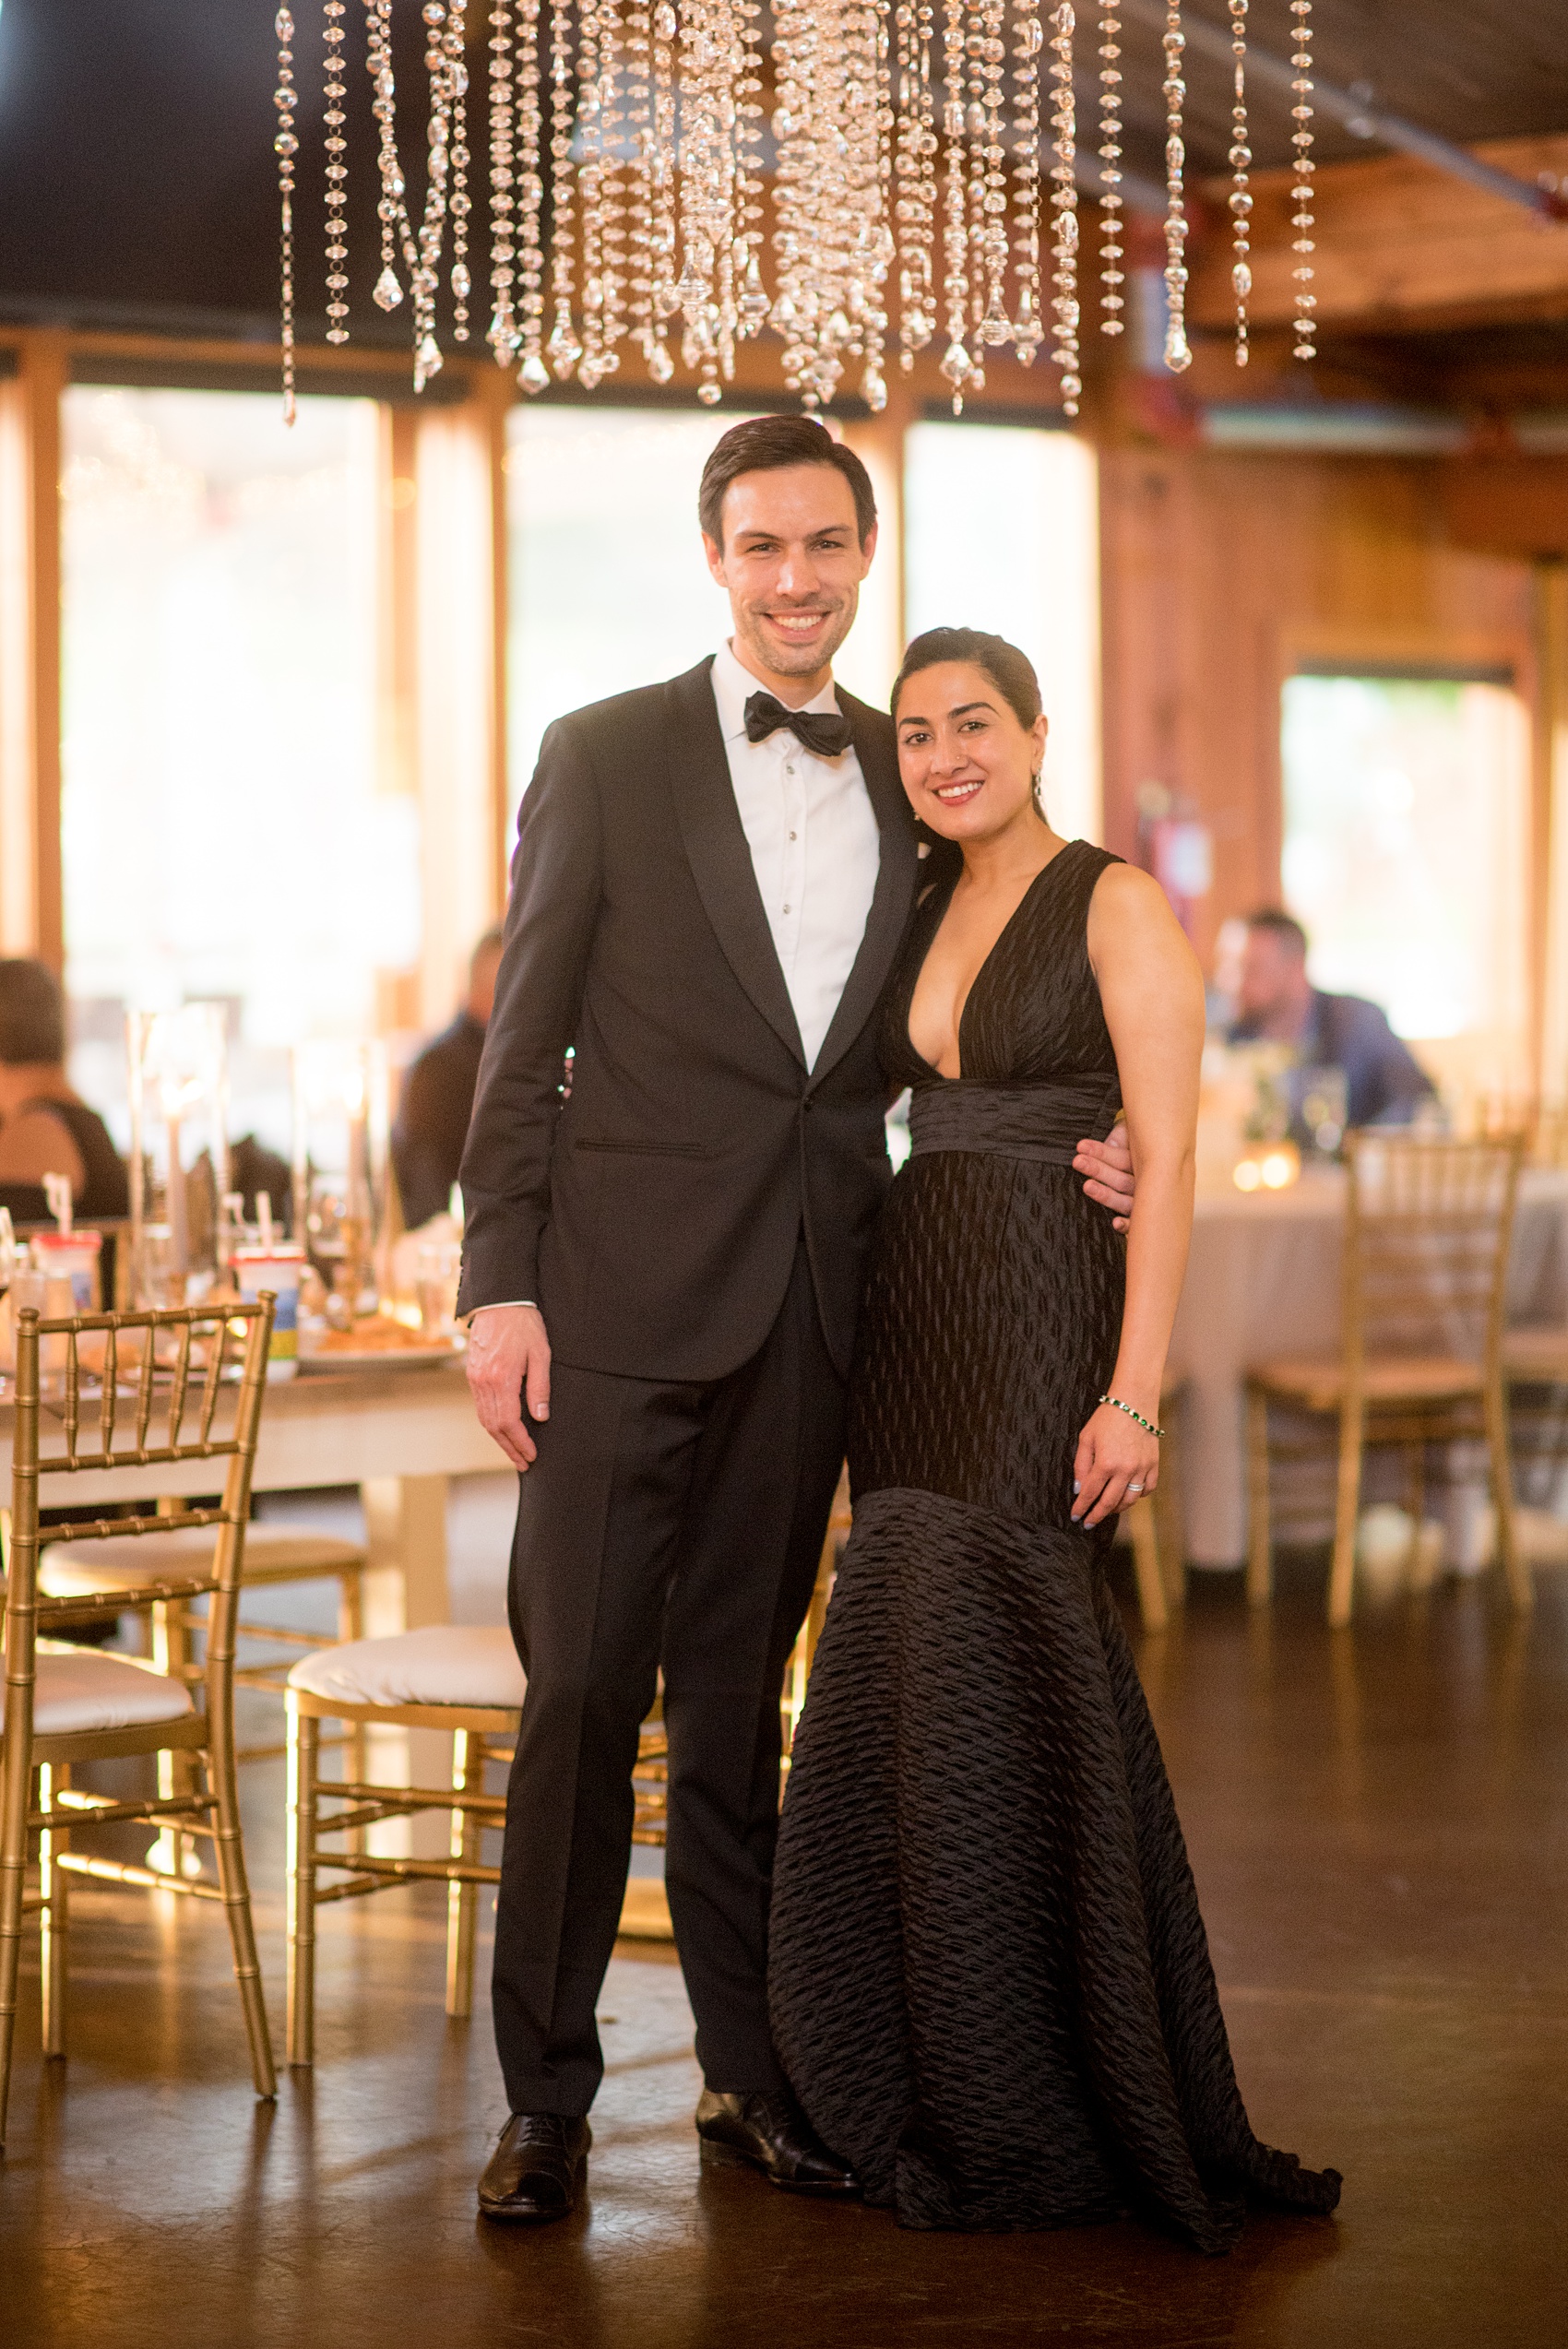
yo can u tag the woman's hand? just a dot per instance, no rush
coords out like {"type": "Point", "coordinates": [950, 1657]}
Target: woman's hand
{"type": "Point", "coordinates": [1117, 1462]}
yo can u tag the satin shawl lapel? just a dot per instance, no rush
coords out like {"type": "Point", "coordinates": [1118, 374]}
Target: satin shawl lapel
{"type": "Point", "coordinates": [895, 892]}
{"type": "Point", "coordinates": [716, 851]}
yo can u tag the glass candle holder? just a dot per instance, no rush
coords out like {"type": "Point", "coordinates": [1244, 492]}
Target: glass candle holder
{"type": "Point", "coordinates": [179, 1102]}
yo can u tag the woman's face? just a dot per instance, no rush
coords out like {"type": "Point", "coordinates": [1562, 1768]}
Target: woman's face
{"type": "Point", "coordinates": [967, 765]}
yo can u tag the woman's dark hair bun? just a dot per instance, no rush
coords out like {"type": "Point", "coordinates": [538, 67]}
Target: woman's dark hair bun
{"type": "Point", "coordinates": [1011, 671]}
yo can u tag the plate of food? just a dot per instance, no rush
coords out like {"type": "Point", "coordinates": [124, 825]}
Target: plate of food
{"type": "Point", "coordinates": [379, 1341]}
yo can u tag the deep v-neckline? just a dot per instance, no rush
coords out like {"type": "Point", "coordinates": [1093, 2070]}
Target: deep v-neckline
{"type": "Point", "coordinates": [1048, 867]}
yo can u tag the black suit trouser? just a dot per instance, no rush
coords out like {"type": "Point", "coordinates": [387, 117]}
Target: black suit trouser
{"type": "Point", "coordinates": [668, 1524]}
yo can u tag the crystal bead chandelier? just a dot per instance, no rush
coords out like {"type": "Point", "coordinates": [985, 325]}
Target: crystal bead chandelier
{"type": "Point", "coordinates": [644, 197]}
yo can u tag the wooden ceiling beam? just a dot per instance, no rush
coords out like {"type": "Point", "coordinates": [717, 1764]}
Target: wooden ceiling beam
{"type": "Point", "coordinates": [1399, 245]}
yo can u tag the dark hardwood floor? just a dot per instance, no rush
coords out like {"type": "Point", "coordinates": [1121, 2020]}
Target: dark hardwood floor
{"type": "Point", "coordinates": [1379, 1826]}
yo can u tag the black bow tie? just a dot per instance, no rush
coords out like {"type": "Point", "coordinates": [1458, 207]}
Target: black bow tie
{"type": "Point", "coordinates": [825, 732]}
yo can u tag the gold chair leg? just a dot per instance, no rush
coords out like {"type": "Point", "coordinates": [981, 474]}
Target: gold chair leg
{"type": "Point", "coordinates": [304, 1739]}
{"type": "Point", "coordinates": [223, 1790]}
{"type": "Point", "coordinates": [356, 1736]}
{"type": "Point", "coordinates": [55, 1915]}
{"type": "Point", "coordinates": [462, 1900]}
{"type": "Point", "coordinates": [1521, 1585]}
{"type": "Point", "coordinates": [1346, 1509]}
{"type": "Point", "coordinates": [171, 1852]}
{"type": "Point", "coordinates": [14, 1805]}
{"type": "Point", "coordinates": [1260, 1533]}
{"type": "Point", "coordinates": [1145, 1563]}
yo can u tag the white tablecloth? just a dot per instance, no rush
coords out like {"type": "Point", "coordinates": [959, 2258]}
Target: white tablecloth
{"type": "Point", "coordinates": [1263, 1279]}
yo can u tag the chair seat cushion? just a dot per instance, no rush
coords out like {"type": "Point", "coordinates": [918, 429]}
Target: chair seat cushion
{"type": "Point", "coordinates": [1414, 1378]}
{"type": "Point", "coordinates": [128, 1561]}
{"type": "Point", "coordinates": [441, 1664]}
{"type": "Point", "coordinates": [1537, 1354]}
{"type": "Point", "coordinates": [80, 1689]}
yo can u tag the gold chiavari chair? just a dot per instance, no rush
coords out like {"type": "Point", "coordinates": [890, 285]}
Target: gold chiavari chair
{"type": "Point", "coordinates": [1535, 1361]}
{"type": "Point", "coordinates": [275, 1556]}
{"type": "Point", "coordinates": [466, 1683]}
{"type": "Point", "coordinates": [66, 1705]}
{"type": "Point", "coordinates": [1426, 1261]}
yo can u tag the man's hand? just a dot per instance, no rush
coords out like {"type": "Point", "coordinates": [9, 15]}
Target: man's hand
{"type": "Point", "coordinates": [508, 1357]}
{"type": "Point", "coordinates": [1108, 1166]}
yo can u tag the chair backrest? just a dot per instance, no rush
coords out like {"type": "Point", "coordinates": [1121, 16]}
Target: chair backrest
{"type": "Point", "coordinates": [171, 1370]}
{"type": "Point", "coordinates": [1426, 1248]}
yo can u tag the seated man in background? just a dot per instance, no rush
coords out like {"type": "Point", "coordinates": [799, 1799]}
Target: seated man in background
{"type": "Point", "coordinates": [45, 1128]}
{"type": "Point", "coordinates": [438, 1096]}
{"type": "Point", "coordinates": [1275, 1001]}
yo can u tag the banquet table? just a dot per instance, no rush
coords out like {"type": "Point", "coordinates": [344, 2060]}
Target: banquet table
{"type": "Point", "coordinates": [1264, 1278]}
{"type": "Point", "coordinates": [399, 1434]}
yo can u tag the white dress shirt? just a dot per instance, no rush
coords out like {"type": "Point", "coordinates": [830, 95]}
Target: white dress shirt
{"type": "Point", "coordinates": [815, 849]}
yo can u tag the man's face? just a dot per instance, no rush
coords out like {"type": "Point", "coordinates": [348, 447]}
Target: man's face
{"type": "Point", "coordinates": [792, 565]}
{"type": "Point", "coordinates": [1273, 976]}
{"type": "Point", "coordinates": [481, 984]}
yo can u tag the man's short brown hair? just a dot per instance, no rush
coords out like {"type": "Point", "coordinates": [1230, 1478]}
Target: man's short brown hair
{"type": "Point", "coordinates": [766, 444]}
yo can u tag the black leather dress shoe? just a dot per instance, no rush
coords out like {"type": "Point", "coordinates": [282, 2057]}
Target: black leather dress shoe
{"type": "Point", "coordinates": [535, 2172]}
{"type": "Point", "coordinates": [769, 2132]}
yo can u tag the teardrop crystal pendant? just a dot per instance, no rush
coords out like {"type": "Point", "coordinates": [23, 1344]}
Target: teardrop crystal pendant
{"type": "Point", "coordinates": [388, 293]}
{"type": "Point", "coordinates": [533, 374]}
{"type": "Point", "coordinates": [427, 361]}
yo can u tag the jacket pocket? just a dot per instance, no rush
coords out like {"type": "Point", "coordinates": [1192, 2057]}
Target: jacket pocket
{"type": "Point", "coordinates": [643, 1149]}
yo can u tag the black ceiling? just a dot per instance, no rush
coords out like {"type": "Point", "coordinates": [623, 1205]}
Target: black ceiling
{"type": "Point", "coordinates": [136, 181]}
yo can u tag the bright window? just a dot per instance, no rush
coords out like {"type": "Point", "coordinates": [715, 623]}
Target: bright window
{"type": "Point", "coordinates": [1403, 854]}
{"type": "Point", "coordinates": [223, 830]}
{"type": "Point", "coordinates": [609, 585]}
{"type": "Point", "coordinates": [1001, 531]}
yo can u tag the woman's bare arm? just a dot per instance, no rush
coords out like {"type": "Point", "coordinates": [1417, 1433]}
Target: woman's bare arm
{"type": "Point", "coordinates": [1152, 992]}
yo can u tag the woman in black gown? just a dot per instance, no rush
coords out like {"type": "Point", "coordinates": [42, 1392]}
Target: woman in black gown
{"type": "Point", "coordinates": [989, 1979]}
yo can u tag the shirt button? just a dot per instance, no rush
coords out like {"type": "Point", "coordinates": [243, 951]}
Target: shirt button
{"type": "Point", "coordinates": [788, 770]}
{"type": "Point", "coordinates": [794, 836]}
{"type": "Point", "coordinates": [785, 909]}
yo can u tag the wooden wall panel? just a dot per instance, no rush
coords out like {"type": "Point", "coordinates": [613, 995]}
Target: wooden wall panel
{"type": "Point", "coordinates": [1221, 573]}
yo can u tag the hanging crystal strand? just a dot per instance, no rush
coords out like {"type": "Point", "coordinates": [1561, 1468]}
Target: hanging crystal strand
{"type": "Point", "coordinates": [1178, 352]}
{"type": "Point", "coordinates": [337, 175]}
{"type": "Point", "coordinates": [914, 211]}
{"type": "Point", "coordinates": [286, 145]}
{"type": "Point", "coordinates": [590, 179]}
{"type": "Point", "coordinates": [639, 174]}
{"type": "Point", "coordinates": [1303, 167]}
{"type": "Point", "coordinates": [828, 229]}
{"type": "Point", "coordinates": [612, 202]}
{"type": "Point", "coordinates": [705, 231]}
{"type": "Point", "coordinates": [502, 334]}
{"type": "Point", "coordinates": [563, 349]}
{"type": "Point", "coordinates": [956, 366]}
{"type": "Point", "coordinates": [461, 201]}
{"type": "Point", "coordinates": [878, 243]}
{"type": "Point", "coordinates": [391, 209]}
{"type": "Point", "coordinates": [1111, 277]}
{"type": "Point", "coordinates": [1241, 200]}
{"type": "Point", "coordinates": [529, 328]}
{"type": "Point", "coordinates": [975, 125]}
{"type": "Point", "coordinates": [996, 327]}
{"type": "Point", "coordinates": [433, 225]}
{"type": "Point", "coordinates": [752, 306]}
{"type": "Point", "coordinates": [1029, 39]}
{"type": "Point", "coordinates": [1065, 210]}
{"type": "Point", "coordinates": [665, 301]}
{"type": "Point", "coordinates": [794, 35]}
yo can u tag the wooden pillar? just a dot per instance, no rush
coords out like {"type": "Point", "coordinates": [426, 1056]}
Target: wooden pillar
{"type": "Point", "coordinates": [1549, 862]}
{"type": "Point", "coordinates": [868, 661]}
{"type": "Point", "coordinates": [32, 915]}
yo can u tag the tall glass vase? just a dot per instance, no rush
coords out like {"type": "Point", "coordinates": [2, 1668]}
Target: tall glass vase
{"type": "Point", "coordinates": [179, 1100]}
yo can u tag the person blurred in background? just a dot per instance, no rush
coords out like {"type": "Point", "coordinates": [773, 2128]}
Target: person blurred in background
{"type": "Point", "coordinates": [438, 1096]}
{"type": "Point", "coordinates": [46, 1127]}
{"type": "Point", "coordinates": [1275, 1002]}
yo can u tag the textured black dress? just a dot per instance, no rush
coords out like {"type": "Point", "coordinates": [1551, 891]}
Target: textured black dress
{"type": "Point", "coordinates": [991, 1984]}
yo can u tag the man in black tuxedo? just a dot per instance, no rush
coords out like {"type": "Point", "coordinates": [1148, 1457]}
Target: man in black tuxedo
{"type": "Point", "coordinates": [663, 1264]}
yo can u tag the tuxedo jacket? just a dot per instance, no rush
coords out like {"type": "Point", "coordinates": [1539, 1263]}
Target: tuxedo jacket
{"type": "Point", "coordinates": [653, 1212]}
